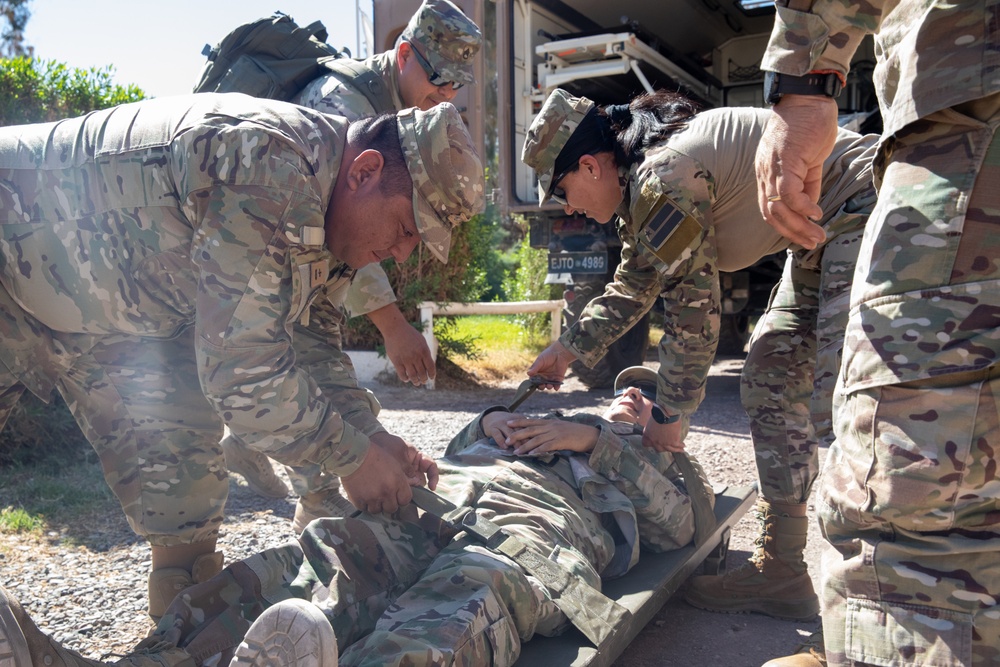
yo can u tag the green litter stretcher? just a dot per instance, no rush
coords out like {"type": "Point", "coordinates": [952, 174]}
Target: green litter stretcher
{"type": "Point", "coordinates": [643, 591]}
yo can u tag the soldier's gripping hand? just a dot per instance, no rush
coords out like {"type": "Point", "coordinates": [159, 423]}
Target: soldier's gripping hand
{"type": "Point", "coordinates": [663, 437]}
{"type": "Point", "coordinates": [382, 483]}
{"type": "Point", "coordinates": [552, 364]}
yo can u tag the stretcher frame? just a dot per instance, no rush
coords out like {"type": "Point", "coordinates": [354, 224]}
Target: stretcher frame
{"type": "Point", "coordinates": [644, 590]}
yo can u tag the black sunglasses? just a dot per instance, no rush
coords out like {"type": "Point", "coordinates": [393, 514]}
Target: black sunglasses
{"type": "Point", "coordinates": [645, 391]}
{"type": "Point", "coordinates": [556, 193]}
{"type": "Point", "coordinates": [433, 77]}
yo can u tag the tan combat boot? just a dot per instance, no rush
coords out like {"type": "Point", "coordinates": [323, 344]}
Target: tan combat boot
{"type": "Point", "coordinates": [315, 505]}
{"type": "Point", "coordinates": [774, 581]}
{"type": "Point", "coordinates": [22, 644]}
{"type": "Point", "coordinates": [809, 654]}
{"type": "Point", "coordinates": [166, 582]}
{"type": "Point", "coordinates": [255, 468]}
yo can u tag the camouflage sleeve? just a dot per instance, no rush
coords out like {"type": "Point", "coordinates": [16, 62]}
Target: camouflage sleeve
{"type": "Point", "coordinates": [663, 510]}
{"type": "Point", "coordinates": [328, 94]}
{"type": "Point", "coordinates": [691, 319]}
{"type": "Point", "coordinates": [623, 303]}
{"type": "Point", "coordinates": [369, 290]}
{"type": "Point", "coordinates": [318, 347]}
{"type": "Point", "coordinates": [823, 37]}
{"type": "Point", "coordinates": [244, 318]}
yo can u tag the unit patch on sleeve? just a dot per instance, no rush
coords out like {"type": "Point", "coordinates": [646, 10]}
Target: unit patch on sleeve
{"type": "Point", "coordinates": [669, 233]}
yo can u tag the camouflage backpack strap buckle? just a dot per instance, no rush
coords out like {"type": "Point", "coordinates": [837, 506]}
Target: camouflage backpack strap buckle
{"type": "Point", "coordinates": [593, 613]}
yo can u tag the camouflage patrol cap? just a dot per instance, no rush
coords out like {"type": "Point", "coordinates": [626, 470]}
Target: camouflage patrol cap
{"type": "Point", "coordinates": [553, 126]}
{"type": "Point", "coordinates": [446, 37]}
{"type": "Point", "coordinates": [448, 181]}
{"type": "Point", "coordinates": [642, 377]}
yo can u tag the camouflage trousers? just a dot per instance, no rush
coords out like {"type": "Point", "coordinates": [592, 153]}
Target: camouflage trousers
{"type": "Point", "coordinates": [140, 405]}
{"type": "Point", "coordinates": [908, 498]}
{"type": "Point", "coordinates": [794, 356]}
{"type": "Point", "coordinates": [398, 590]}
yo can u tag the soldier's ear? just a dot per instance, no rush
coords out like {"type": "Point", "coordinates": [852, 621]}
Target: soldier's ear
{"type": "Point", "coordinates": [590, 166]}
{"type": "Point", "coordinates": [403, 53]}
{"type": "Point", "coordinates": [365, 170]}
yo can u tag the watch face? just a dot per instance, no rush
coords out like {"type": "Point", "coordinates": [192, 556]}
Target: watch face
{"type": "Point", "coordinates": [660, 417]}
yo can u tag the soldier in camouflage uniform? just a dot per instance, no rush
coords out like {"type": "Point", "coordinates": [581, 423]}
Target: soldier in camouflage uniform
{"type": "Point", "coordinates": [433, 59]}
{"type": "Point", "coordinates": [154, 258]}
{"type": "Point", "coordinates": [908, 499]}
{"type": "Point", "coordinates": [411, 590]}
{"type": "Point", "coordinates": [684, 197]}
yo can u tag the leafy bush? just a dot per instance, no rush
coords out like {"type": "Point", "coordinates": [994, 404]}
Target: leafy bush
{"type": "Point", "coordinates": [527, 283]}
{"type": "Point", "coordinates": [466, 277]}
{"type": "Point", "coordinates": [36, 91]}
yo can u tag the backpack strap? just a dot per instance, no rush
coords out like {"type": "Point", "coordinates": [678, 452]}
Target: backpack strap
{"type": "Point", "coordinates": [365, 80]}
{"type": "Point", "coordinates": [701, 495]}
{"type": "Point", "coordinates": [593, 613]}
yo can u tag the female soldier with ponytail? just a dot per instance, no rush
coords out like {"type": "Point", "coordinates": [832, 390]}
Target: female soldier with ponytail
{"type": "Point", "coordinates": [682, 186]}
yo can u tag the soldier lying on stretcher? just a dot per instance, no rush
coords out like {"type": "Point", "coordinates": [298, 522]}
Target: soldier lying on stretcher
{"type": "Point", "coordinates": [529, 515]}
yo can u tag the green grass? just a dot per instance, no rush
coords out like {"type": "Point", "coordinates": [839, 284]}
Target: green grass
{"type": "Point", "coordinates": [17, 520]}
{"type": "Point", "coordinates": [497, 333]}
{"type": "Point", "coordinates": [504, 349]}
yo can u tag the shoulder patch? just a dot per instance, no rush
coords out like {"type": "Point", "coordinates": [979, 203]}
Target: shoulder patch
{"type": "Point", "coordinates": [670, 232]}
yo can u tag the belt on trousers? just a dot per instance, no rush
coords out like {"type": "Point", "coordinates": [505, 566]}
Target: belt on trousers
{"type": "Point", "coordinates": [593, 613]}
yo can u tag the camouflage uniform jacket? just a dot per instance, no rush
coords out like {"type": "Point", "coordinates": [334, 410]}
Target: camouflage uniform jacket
{"type": "Point", "coordinates": [204, 211]}
{"type": "Point", "coordinates": [690, 210]}
{"type": "Point", "coordinates": [369, 289]}
{"type": "Point", "coordinates": [934, 55]}
{"type": "Point", "coordinates": [637, 490]}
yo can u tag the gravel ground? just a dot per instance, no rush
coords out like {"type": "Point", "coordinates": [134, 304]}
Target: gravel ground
{"type": "Point", "coordinates": [91, 594]}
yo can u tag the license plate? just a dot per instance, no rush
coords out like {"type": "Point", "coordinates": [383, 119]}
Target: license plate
{"type": "Point", "coordinates": [578, 262]}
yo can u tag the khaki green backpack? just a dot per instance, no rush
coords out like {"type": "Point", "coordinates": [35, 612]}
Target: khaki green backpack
{"type": "Point", "coordinates": [273, 57]}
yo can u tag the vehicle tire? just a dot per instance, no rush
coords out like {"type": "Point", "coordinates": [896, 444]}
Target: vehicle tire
{"type": "Point", "coordinates": [629, 350]}
{"type": "Point", "coordinates": [734, 333]}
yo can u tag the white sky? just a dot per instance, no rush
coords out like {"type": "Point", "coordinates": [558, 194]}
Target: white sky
{"type": "Point", "coordinates": [156, 44]}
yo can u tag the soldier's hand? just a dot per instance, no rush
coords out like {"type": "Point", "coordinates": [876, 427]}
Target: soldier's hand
{"type": "Point", "coordinates": [419, 469]}
{"type": "Point", "coordinates": [664, 437]}
{"type": "Point", "coordinates": [552, 364]}
{"type": "Point", "coordinates": [404, 345]}
{"type": "Point", "coordinates": [382, 483]}
{"type": "Point", "coordinates": [531, 437]}
{"type": "Point", "coordinates": [494, 425]}
{"type": "Point", "coordinates": [799, 136]}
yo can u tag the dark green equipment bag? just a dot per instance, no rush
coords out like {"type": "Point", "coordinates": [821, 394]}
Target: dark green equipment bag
{"type": "Point", "coordinates": [274, 58]}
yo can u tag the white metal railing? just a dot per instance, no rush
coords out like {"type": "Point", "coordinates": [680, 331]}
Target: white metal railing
{"type": "Point", "coordinates": [428, 309]}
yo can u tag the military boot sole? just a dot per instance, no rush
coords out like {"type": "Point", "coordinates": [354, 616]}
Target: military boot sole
{"type": "Point", "coordinates": [805, 609]}
{"type": "Point", "coordinates": [13, 646]}
{"type": "Point", "coordinates": [292, 633]}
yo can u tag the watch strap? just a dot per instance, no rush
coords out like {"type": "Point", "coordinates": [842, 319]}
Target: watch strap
{"type": "Point", "coordinates": [777, 85]}
{"type": "Point", "coordinates": [660, 417]}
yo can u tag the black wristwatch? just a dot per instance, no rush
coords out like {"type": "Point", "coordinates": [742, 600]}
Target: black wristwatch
{"type": "Point", "coordinates": [778, 85]}
{"type": "Point", "coordinates": [660, 417]}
